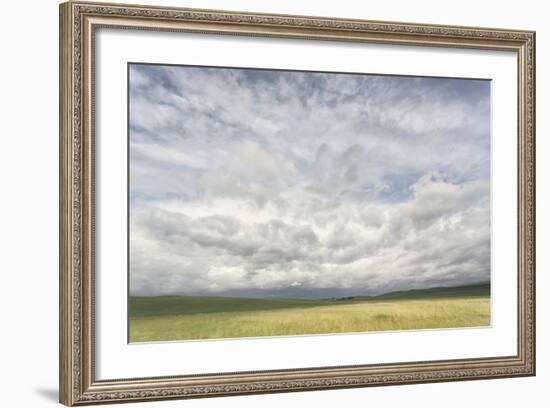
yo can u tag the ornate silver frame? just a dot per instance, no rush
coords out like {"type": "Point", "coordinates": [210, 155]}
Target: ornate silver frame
{"type": "Point", "coordinates": [78, 22]}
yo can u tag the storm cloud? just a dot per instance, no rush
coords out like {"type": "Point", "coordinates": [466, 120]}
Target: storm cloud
{"type": "Point", "coordinates": [264, 182]}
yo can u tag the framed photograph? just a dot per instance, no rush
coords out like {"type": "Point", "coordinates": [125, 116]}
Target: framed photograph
{"type": "Point", "coordinates": [255, 203]}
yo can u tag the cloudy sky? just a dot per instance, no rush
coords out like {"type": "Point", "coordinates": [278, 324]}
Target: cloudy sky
{"type": "Point", "coordinates": [276, 183]}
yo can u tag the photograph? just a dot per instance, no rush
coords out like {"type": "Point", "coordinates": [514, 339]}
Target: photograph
{"type": "Point", "coordinates": [287, 200]}
{"type": "Point", "coordinates": [267, 202]}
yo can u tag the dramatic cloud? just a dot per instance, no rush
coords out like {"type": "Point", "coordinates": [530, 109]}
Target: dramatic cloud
{"type": "Point", "coordinates": [259, 182]}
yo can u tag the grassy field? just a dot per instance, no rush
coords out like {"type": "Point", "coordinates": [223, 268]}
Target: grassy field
{"type": "Point", "coordinates": [206, 317]}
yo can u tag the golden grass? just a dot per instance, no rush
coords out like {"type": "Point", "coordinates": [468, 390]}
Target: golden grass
{"type": "Point", "coordinates": [354, 317]}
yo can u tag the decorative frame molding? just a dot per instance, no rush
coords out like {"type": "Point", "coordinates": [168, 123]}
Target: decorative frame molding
{"type": "Point", "coordinates": [78, 22]}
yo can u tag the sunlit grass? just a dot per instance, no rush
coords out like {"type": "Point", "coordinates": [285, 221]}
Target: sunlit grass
{"type": "Point", "coordinates": [302, 317]}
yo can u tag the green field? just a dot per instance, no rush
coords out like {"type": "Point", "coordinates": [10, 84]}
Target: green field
{"type": "Point", "coordinates": [166, 318]}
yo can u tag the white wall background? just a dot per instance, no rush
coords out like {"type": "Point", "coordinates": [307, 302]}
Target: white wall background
{"type": "Point", "coordinates": [29, 189]}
